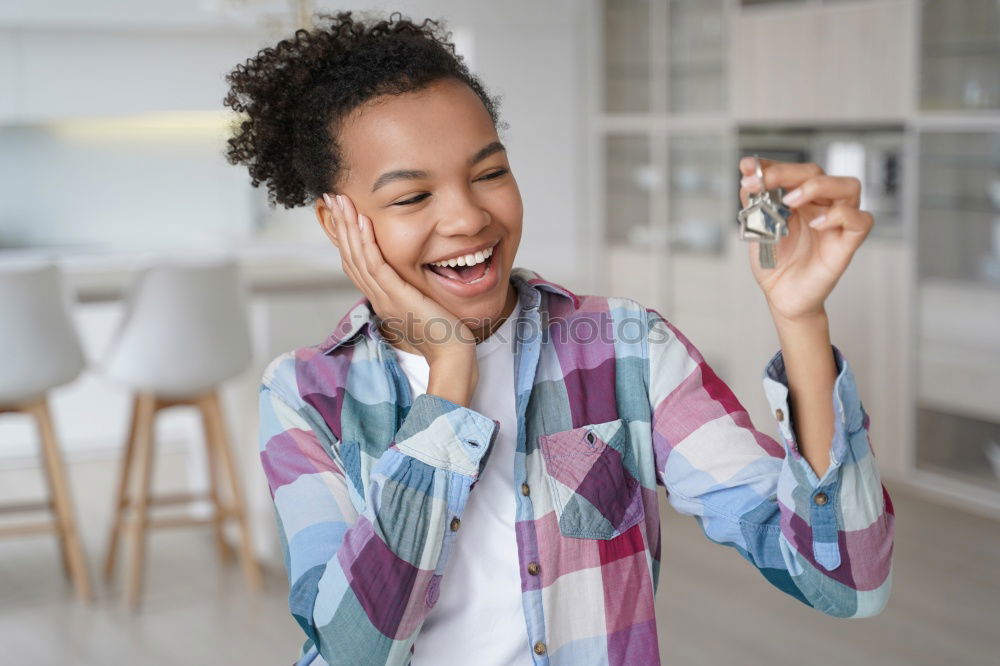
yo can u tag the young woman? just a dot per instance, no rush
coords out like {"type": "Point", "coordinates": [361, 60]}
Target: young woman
{"type": "Point", "coordinates": [466, 469]}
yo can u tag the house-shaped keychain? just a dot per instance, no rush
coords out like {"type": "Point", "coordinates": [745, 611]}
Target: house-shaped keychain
{"type": "Point", "coordinates": [764, 220]}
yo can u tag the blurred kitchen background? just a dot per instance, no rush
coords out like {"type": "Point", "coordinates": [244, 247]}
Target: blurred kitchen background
{"type": "Point", "coordinates": [627, 119]}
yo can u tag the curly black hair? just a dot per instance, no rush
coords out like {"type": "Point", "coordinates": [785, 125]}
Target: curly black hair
{"type": "Point", "coordinates": [294, 96]}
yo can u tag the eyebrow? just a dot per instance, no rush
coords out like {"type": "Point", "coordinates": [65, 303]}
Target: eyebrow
{"type": "Point", "coordinates": [412, 174]}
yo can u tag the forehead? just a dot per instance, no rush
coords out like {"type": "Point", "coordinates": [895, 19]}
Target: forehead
{"type": "Point", "coordinates": [441, 123]}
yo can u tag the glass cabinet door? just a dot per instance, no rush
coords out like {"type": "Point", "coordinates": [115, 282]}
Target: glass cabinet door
{"type": "Point", "coordinates": [960, 52]}
{"type": "Point", "coordinates": [697, 48]}
{"type": "Point", "coordinates": [633, 243]}
{"type": "Point", "coordinates": [959, 206]}
{"type": "Point", "coordinates": [699, 196]}
{"type": "Point", "coordinates": [627, 58]}
{"type": "Point", "coordinates": [630, 181]}
{"type": "Point", "coordinates": [958, 306]}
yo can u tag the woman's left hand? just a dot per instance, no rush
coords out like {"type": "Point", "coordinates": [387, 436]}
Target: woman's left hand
{"type": "Point", "coordinates": [809, 260]}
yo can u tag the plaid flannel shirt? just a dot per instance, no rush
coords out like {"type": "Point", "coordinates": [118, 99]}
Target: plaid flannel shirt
{"type": "Point", "coordinates": [611, 401]}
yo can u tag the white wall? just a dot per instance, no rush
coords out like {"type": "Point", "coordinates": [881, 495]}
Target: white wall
{"type": "Point", "coordinates": [64, 59]}
{"type": "Point", "coordinates": [62, 186]}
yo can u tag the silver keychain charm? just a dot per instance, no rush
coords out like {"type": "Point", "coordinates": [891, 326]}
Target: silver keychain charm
{"type": "Point", "coordinates": [765, 219]}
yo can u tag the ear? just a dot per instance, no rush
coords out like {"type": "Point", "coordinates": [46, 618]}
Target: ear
{"type": "Point", "coordinates": [325, 218]}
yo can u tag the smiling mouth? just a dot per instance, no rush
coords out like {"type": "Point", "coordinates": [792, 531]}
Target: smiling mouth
{"type": "Point", "coordinates": [464, 274]}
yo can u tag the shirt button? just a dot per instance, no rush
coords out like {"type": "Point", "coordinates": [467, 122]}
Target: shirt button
{"type": "Point", "coordinates": [820, 498]}
{"type": "Point", "coordinates": [533, 568]}
{"type": "Point", "coordinates": [780, 415]}
{"type": "Point", "coordinates": [525, 489]}
{"type": "Point", "coordinates": [455, 523]}
{"type": "Point", "coordinates": [539, 648]}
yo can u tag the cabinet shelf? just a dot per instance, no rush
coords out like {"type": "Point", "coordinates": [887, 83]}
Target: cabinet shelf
{"type": "Point", "coordinates": [959, 162]}
{"type": "Point", "coordinates": [954, 44]}
{"type": "Point", "coordinates": [961, 50]}
{"type": "Point", "coordinates": [699, 67]}
{"type": "Point", "coordinates": [957, 204]}
{"type": "Point", "coordinates": [956, 447]}
{"type": "Point", "coordinates": [981, 476]}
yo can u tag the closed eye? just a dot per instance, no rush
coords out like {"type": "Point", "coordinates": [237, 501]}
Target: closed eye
{"type": "Point", "coordinates": [420, 197]}
{"type": "Point", "coordinates": [495, 174]}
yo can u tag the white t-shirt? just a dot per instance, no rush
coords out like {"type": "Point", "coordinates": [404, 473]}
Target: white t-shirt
{"type": "Point", "coordinates": [478, 615]}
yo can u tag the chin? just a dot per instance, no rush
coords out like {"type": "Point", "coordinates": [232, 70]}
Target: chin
{"type": "Point", "coordinates": [475, 303]}
{"type": "Point", "coordinates": [489, 310]}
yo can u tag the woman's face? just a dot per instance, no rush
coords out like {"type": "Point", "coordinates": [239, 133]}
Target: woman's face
{"type": "Point", "coordinates": [428, 169]}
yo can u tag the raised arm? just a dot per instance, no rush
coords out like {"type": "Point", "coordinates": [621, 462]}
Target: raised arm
{"type": "Point", "coordinates": [827, 542]}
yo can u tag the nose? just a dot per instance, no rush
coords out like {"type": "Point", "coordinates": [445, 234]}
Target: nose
{"type": "Point", "coordinates": [462, 215]}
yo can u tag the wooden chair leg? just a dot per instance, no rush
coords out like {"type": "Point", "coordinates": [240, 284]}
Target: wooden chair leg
{"type": "Point", "coordinates": [214, 488]}
{"type": "Point", "coordinates": [60, 537]}
{"type": "Point", "coordinates": [63, 505]}
{"type": "Point", "coordinates": [210, 405]}
{"type": "Point", "coordinates": [121, 496]}
{"type": "Point", "coordinates": [138, 517]}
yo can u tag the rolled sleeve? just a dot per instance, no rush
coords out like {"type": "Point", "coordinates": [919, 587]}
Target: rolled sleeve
{"type": "Point", "coordinates": [445, 434]}
{"type": "Point", "coordinates": [849, 414]}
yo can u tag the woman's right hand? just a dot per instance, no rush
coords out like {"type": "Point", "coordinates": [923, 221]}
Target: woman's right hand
{"type": "Point", "coordinates": [446, 342]}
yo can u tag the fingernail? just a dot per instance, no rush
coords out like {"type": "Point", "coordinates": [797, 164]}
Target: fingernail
{"type": "Point", "coordinates": [326, 200]}
{"type": "Point", "coordinates": [818, 221]}
{"type": "Point", "coordinates": [793, 196]}
{"type": "Point", "coordinates": [340, 202]}
{"type": "Point", "coordinates": [361, 222]}
{"type": "Point", "coordinates": [749, 180]}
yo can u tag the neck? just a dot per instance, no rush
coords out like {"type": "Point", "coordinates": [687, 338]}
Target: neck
{"type": "Point", "coordinates": [494, 323]}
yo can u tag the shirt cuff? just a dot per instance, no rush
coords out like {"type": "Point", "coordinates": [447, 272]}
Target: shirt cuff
{"type": "Point", "coordinates": [447, 435]}
{"type": "Point", "coordinates": [848, 412]}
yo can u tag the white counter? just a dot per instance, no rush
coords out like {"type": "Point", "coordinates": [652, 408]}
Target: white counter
{"type": "Point", "coordinates": [97, 275]}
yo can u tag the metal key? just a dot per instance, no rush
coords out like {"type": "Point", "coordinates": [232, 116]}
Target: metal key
{"type": "Point", "coordinates": [765, 219]}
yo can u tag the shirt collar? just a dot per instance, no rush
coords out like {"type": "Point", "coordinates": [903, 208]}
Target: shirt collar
{"type": "Point", "coordinates": [360, 319]}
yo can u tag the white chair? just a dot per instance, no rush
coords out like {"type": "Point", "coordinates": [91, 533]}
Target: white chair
{"type": "Point", "coordinates": [185, 331]}
{"type": "Point", "coordinates": [40, 351]}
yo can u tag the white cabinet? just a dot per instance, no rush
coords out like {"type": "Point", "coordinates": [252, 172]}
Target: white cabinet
{"type": "Point", "coordinates": [846, 61]}
{"type": "Point", "coordinates": [774, 60]}
{"type": "Point", "coordinates": [48, 74]}
{"type": "Point", "coordinates": [958, 323]}
{"type": "Point", "coordinates": [916, 313]}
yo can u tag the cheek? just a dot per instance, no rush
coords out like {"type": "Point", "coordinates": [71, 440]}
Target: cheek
{"type": "Point", "coordinates": [511, 216]}
{"type": "Point", "coordinates": [401, 246]}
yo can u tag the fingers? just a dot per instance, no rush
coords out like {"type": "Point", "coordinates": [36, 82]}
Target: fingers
{"type": "Point", "coordinates": [347, 255]}
{"type": "Point", "coordinates": [779, 174]}
{"type": "Point", "coordinates": [851, 220]}
{"type": "Point", "coordinates": [803, 183]}
{"type": "Point", "coordinates": [788, 175]}
{"type": "Point", "coordinates": [826, 190]}
{"type": "Point", "coordinates": [747, 164]}
{"type": "Point", "coordinates": [355, 226]}
{"type": "Point", "coordinates": [384, 276]}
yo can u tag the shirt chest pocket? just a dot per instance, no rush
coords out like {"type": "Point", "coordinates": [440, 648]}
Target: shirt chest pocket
{"type": "Point", "coordinates": [595, 494]}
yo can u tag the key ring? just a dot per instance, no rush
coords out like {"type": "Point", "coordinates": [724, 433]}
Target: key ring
{"type": "Point", "coordinates": [764, 219]}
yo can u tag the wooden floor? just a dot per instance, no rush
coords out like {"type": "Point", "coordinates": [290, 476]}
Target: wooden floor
{"type": "Point", "coordinates": [714, 608]}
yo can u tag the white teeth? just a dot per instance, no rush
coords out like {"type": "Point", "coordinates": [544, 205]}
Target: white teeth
{"type": "Point", "coordinates": [466, 260]}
